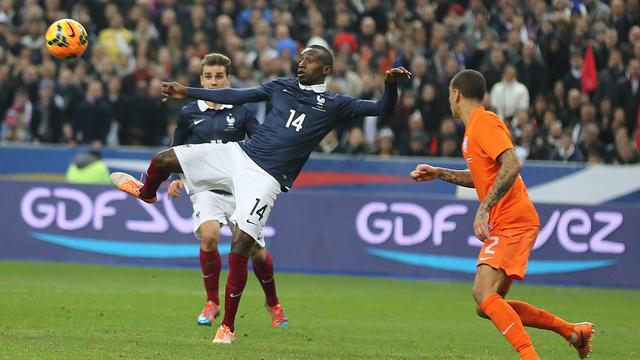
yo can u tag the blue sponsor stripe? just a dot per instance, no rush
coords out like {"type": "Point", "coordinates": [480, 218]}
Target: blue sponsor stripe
{"type": "Point", "coordinates": [126, 248]}
{"type": "Point", "coordinates": [468, 265]}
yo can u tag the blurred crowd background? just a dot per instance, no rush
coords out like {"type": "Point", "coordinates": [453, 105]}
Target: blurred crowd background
{"type": "Point", "coordinates": [564, 74]}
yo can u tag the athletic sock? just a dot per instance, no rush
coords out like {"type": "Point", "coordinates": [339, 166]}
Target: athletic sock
{"type": "Point", "coordinates": [236, 282]}
{"type": "Point", "coordinates": [210, 264]}
{"type": "Point", "coordinates": [153, 180]}
{"type": "Point", "coordinates": [509, 324]}
{"type": "Point", "coordinates": [264, 273]}
{"type": "Point", "coordinates": [541, 319]}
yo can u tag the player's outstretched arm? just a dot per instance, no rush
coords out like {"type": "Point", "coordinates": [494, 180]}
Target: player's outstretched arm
{"type": "Point", "coordinates": [426, 172]}
{"type": "Point", "coordinates": [392, 76]}
{"type": "Point", "coordinates": [386, 104]}
{"type": "Point", "coordinates": [174, 90]}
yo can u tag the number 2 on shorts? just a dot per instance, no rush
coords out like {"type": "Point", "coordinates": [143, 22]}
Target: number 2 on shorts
{"type": "Point", "coordinates": [494, 240]}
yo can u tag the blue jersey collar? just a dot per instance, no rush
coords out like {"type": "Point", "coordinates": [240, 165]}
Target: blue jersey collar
{"type": "Point", "coordinates": [202, 105]}
{"type": "Point", "coordinates": [317, 88]}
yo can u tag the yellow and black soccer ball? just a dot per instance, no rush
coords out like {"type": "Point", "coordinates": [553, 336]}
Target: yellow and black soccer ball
{"type": "Point", "coordinates": [66, 39]}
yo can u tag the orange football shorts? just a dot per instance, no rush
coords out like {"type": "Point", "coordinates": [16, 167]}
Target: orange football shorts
{"type": "Point", "coordinates": [509, 250]}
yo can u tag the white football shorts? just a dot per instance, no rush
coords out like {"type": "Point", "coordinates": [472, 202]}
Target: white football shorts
{"type": "Point", "coordinates": [226, 167]}
{"type": "Point", "coordinates": [211, 206]}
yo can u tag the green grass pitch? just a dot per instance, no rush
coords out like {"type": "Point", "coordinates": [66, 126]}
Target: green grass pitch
{"type": "Point", "coordinates": [65, 311]}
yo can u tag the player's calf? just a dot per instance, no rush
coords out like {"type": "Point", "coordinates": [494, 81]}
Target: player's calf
{"type": "Point", "coordinates": [481, 313]}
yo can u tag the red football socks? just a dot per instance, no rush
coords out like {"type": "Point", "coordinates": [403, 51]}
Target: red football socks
{"type": "Point", "coordinates": [264, 273]}
{"type": "Point", "coordinates": [236, 281]}
{"type": "Point", "coordinates": [154, 178]}
{"type": "Point", "coordinates": [210, 264]}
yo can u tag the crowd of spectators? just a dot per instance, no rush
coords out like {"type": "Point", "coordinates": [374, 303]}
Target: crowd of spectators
{"type": "Point", "coordinates": [563, 74]}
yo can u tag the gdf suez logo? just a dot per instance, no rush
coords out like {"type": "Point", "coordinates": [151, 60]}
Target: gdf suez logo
{"type": "Point", "coordinates": [69, 209]}
{"type": "Point", "coordinates": [576, 230]}
{"type": "Point", "coordinates": [382, 229]}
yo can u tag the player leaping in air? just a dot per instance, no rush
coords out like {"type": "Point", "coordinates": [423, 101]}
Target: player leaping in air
{"type": "Point", "coordinates": [506, 220]}
{"type": "Point", "coordinates": [203, 122]}
{"type": "Point", "coordinates": [257, 170]}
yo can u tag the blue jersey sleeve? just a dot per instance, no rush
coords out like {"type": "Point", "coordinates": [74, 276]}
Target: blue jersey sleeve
{"type": "Point", "coordinates": [258, 93]}
{"type": "Point", "coordinates": [181, 133]}
{"type": "Point", "coordinates": [354, 108]}
{"type": "Point", "coordinates": [251, 124]}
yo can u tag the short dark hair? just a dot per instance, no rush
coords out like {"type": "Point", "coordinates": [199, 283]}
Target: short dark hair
{"type": "Point", "coordinates": [216, 59]}
{"type": "Point", "coordinates": [470, 83]}
{"type": "Point", "coordinates": [325, 55]}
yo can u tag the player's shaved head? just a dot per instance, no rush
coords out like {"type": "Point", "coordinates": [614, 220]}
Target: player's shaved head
{"type": "Point", "coordinates": [470, 83]}
{"type": "Point", "coordinates": [324, 55]}
{"type": "Point", "coordinates": [315, 63]}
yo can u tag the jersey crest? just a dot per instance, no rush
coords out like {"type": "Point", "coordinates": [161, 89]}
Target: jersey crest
{"type": "Point", "coordinates": [230, 121]}
{"type": "Point", "coordinates": [320, 103]}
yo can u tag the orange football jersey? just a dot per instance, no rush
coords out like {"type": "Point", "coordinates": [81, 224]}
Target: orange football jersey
{"type": "Point", "coordinates": [486, 137]}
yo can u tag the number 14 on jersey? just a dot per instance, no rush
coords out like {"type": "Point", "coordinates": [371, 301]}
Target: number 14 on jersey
{"type": "Point", "coordinates": [295, 121]}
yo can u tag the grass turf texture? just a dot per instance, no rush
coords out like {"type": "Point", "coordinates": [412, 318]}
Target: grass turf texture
{"type": "Point", "coordinates": [64, 311]}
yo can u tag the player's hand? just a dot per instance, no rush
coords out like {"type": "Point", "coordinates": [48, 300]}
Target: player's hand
{"type": "Point", "coordinates": [424, 172]}
{"type": "Point", "coordinates": [173, 90]}
{"type": "Point", "coordinates": [481, 224]}
{"type": "Point", "coordinates": [175, 188]}
{"type": "Point", "coordinates": [392, 76]}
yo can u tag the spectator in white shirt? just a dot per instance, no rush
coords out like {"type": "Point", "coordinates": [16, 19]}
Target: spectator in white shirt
{"type": "Point", "coordinates": [509, 96]}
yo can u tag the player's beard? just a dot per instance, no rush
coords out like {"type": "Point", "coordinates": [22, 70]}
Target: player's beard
{"type": "Point", "coordinates": [310, 79]}
{"type": "Point", "coordinates": [303, 79]}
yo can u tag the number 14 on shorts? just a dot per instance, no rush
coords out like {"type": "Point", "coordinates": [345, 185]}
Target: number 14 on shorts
{"type": "Point", "coordinates": [258, 210]}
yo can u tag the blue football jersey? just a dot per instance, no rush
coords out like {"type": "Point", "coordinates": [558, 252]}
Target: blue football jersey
{"type": "Point", "coordinates": [300, 117]}
{"type": "Point", "coordinates": [200, 124]}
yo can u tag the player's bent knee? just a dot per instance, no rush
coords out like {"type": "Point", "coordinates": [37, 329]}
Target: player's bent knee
{"type": "Point", "coordinates": [242, 243]}
{"type": "Point", "coordinates": [209, 240]}
{"type": "Point", "coordinates": [209, 234]}
{"type": "Point", "coordinates": [167, 161]}
{"type": "Point", "coordinates": [258, 253]}
{"type": "Point", "coordinates": [479, 294]}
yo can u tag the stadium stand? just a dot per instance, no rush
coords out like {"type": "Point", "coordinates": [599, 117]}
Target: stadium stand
{"type": "Point", "coordinates": [564, 74]}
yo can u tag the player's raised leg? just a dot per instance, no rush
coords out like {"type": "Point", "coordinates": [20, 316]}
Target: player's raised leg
{"type": "Point", "coordinates": [488, 283]}
{"type": "Point", "coordinates": [161, 166]}
{"type": "Point", "coordinates": [210, 263]}
{"type": "Point", "coordinates": [579, 334]}
{"type": "Point", "coordinates": [263, 269]}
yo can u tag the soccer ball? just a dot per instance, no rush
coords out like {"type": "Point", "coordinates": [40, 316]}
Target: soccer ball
{"type": "Point", "coordinates": [66, 39]}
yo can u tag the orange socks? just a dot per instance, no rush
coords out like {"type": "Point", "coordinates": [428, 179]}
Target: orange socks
{"type": "Point", "coordinates": [541, 319]}
{"type": "Point", "coordinates": [510, 317]}
{"type": "Point", "coordinates": [507, 321]}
